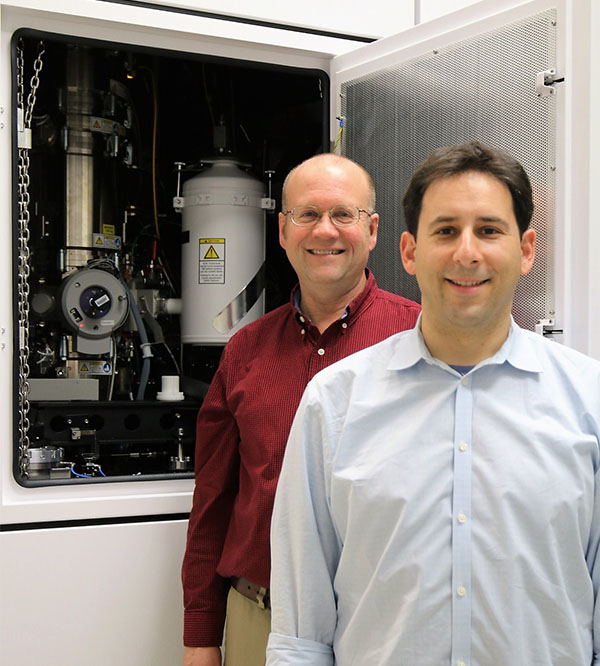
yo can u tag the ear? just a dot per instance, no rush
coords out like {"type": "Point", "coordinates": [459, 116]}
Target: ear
{"type": "Point", "coordinates": [373, 226]}
{"type": "Point", "coordinates": [408, 247]}
{"type": "Point", "coordinates": [282, 230]}
{"type": "Point", "coordinates": [527, 250]}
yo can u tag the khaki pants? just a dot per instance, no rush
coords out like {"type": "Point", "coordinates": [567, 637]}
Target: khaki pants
{"type": "Point", "coordinates": [246, 631]}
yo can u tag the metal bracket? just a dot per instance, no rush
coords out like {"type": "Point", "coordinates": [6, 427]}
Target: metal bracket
{"type": "Point", "coordinates": [544, 82]}
{"type": "Point", "coordinates": [223, 199]}
{"type": "Point", "coordinates": [23, 134]}
{"type": "Point", "coordinates": [545, 327]}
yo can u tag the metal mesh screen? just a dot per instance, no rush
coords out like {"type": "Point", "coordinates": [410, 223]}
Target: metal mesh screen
{"type": "Point", "coordinates": [481, 88]}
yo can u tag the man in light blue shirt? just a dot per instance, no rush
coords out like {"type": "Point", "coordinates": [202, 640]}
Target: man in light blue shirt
{"type": "Point", "coordinates": [439, 502]}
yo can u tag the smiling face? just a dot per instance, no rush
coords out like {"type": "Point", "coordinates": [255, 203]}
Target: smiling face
{"type": "Point", "coordinates": [327, 258]}
{"type": "Point", "coordinates": [467, 257]}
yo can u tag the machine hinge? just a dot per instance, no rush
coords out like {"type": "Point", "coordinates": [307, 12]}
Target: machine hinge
{"type": "Point", "coordinates": [546, 328]}
{"type": "Point", "coordinates": [544, 82]}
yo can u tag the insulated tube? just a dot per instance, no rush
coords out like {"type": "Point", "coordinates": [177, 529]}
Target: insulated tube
{"type": "Point", "coordinates": [145, 346]}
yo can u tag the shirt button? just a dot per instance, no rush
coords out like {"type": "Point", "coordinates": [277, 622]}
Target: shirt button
{"type": "Point", "coordinates": [464, 381]}
{"type": "Point", "coordinates": [461, 591]}
{"type": "Point", "coordinates": [461, 518]}
{"type": "Point", "coordinates": [301, 319]}
{"type": "Point", "coordinates": [462, 447]}
{"type": "Point", "coordinates": [320, 352]}
{"type": "Point", "coordinates": [302, 332]}
{"type": "Point", "coordinates": [344, 325]}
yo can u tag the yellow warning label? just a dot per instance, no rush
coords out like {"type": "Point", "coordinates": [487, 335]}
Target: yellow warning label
{"type": "Point", "coordinates": [211, 261]}
{"type": "Point", "coordinates": [95, 368]}
{"type": "Point", "coordinates": [96, 124]}
{"type": "Point", "coordinates": [211, 253]}
{"type": "Point", "coordinates": [108, 229]}
{"type": "Point", "coordinates": [99, 241]}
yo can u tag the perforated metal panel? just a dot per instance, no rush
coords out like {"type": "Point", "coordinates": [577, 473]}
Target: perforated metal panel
{"type": "Point", "coordinates": [481, 88]}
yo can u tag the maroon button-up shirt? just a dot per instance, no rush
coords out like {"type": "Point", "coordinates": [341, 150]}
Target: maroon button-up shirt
{"type": "Point", "coordinates": [243, 426]}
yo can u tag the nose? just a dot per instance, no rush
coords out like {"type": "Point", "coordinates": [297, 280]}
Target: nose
{"type": "Point", "coordinates": [467, 251]}
{"type": "Point", "coordinates": [325, 228]}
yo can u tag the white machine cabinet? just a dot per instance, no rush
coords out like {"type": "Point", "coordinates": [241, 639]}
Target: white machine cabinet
{"type": "Point", "coordinates": [91, 548]}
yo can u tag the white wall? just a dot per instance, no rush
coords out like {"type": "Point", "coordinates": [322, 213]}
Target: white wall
{"type": "Point", "coordinates": [594, 182]}
{"type": "Point", "coordinates": [427, 10]}
{"type": "Point", "coordinates": [369, 18]}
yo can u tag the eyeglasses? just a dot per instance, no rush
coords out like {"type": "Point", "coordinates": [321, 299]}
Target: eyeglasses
{"type": "Point", "coordinates": [341, 216]}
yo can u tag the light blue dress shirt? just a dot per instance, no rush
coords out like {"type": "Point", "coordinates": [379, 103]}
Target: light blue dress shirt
{"type": "Point", "coordinates": [426, 518]}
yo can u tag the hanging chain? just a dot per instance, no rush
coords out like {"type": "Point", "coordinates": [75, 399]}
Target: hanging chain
{"type": "Point", "coordinates": [24, 116]}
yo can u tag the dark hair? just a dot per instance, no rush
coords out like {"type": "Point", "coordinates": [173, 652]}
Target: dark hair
{"type": "Point", "coordinates": [471, 156]}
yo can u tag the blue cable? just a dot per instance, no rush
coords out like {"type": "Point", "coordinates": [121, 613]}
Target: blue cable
{"type": "Point", "coordinates": [86, 476]}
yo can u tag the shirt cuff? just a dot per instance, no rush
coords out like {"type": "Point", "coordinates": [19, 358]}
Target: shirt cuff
{"type": "Point", "coordinates": [203, 628]}
{"type": "Point", "coordinates": [288, 651]}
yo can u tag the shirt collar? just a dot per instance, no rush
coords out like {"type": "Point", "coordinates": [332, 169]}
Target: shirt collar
{"type": "Point", "coordinates": [413, 349]}
{"type": "Point", "coordinates": [518, 350]}
{"type": "Point", "coordinates": [351, 308]}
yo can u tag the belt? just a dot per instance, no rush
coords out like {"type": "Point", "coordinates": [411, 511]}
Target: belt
{"type": "Point", "coordinates": [252, 591]}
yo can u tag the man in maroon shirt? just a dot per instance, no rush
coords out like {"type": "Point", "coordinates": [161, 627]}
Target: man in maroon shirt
{"type": "Point", "coordinates": [327, 229]}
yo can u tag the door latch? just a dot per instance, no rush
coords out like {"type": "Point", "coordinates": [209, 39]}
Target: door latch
{"type": "Point", "coordinates": [546, 328]}
{"type": "Point", "coordinates": [544, 82]}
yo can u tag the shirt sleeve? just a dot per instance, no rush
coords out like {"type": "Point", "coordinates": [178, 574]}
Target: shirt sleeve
{"type": "Point", "coordinates": [594, 566]}
{"type": "Point", "coordinates": [305, 546]}
{"type": "Point", "coordinates": [217, 473]}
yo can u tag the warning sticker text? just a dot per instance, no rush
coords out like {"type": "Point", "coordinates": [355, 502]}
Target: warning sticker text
{"type": "Point", "coordinates": [211, 261]}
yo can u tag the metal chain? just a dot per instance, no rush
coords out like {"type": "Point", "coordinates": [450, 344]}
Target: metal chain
{"type": "Point", "coordinates": [24, 256]}
{"type": "Point", "coordinates": [34, 84]}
